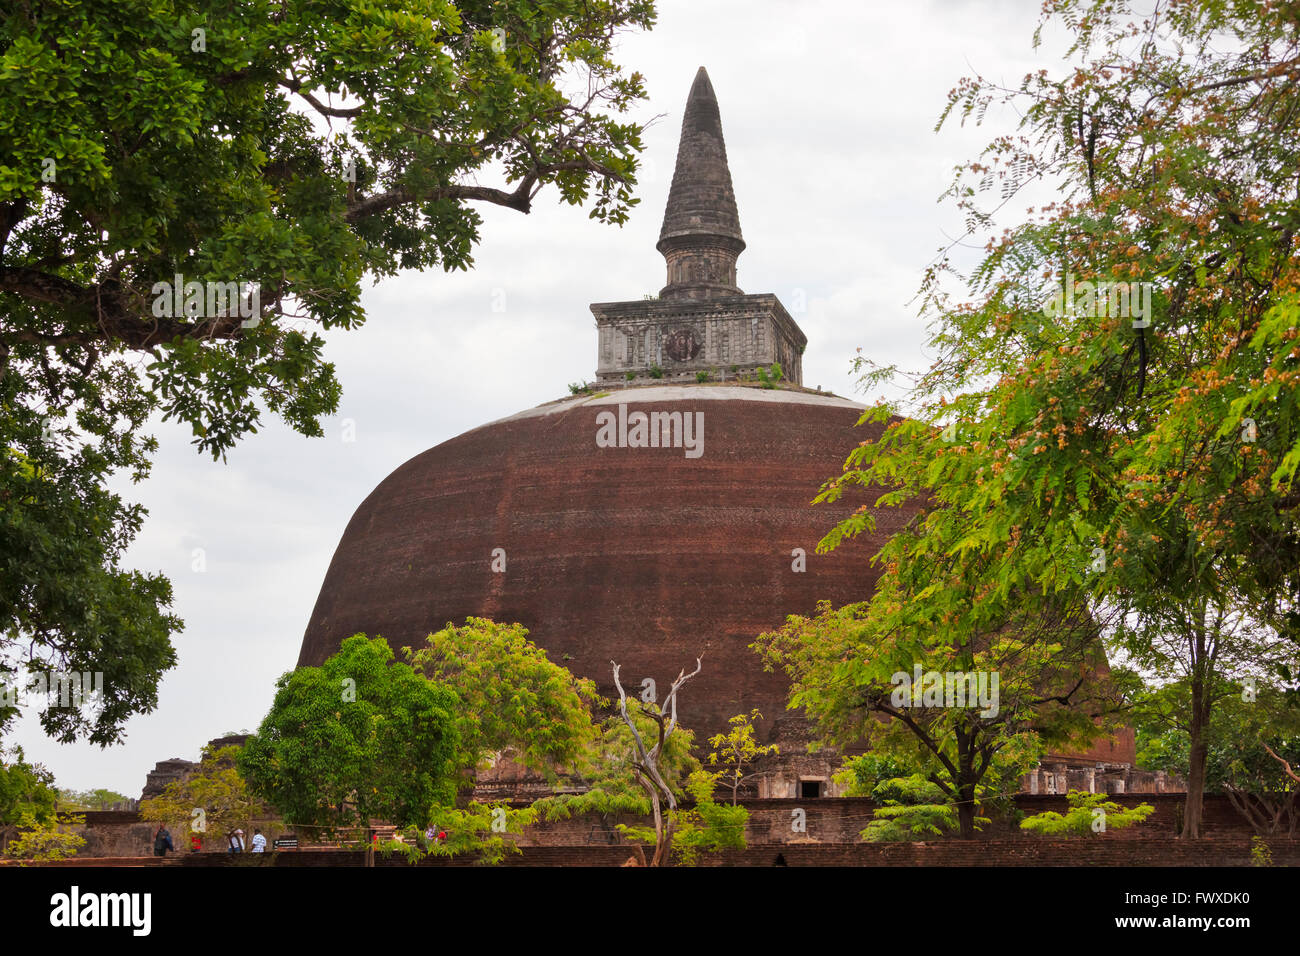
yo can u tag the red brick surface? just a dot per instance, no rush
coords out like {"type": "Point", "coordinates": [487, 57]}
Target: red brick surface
{"type": "Point", "coordinates": [642, 556]}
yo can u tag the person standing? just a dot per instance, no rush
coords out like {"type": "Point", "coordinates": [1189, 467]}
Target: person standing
{"type": "Point", "coordinates": [259, 841]}
{"type": "Point", "coordinates": [236, 842]}
{"type": "Point", "coordinates": [162, 841]}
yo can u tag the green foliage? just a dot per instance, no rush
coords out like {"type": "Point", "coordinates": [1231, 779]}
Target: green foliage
{"type": "Point", "coordinates": [1069, 463]}
{"type": "Point", "coordinates": [612, 786]}
{"type": "Point", "coordinates": [478, 828]}
{"type": "Point", "coordinates": [1246, 722]}
{"type": "Point", "coordinates": [1261, 854]}
{"type": "Point", "coordinates": [512, 697]}
{"type": "Point", "coordinates": [292, 145]}
{"type": "Point", "coordinates": [1088, 813]}
{"type": "Point", "coordinates": [702, 376]}
{"type": "Point", "coordinates": [769, 377]}
{"type": "Point", "coordinates": [910, 808]}
{"type": "Point", "coordinates": [212, 801]}
{"type": "Point", "coordinates": [65, 603]}
{"type": "Point", "coordinates": [481, 829]}
{"type": "Point", "coordinates": [359, 738]}
{"type": "Point", "coordinates": [631, 375]}
{"type": "Point", "coordinates": [608, 779]}
{"type": "Point", "coordinates": [847, 669]}
{"type": "Point", "coordinates": [656, 372]}
{"type": "Point", "coordinates": [737, 749]}
{"type": "Point", "coordinates": [1236, 735]}
{"type": "Point", "coordinates": [28, 797]}
{"type": "Point", "coordinates": [364, 738]}
{"type": "Point", "coordinates": [45, 840]}
{"type": "Point", "coordinates": [705, 827]}
{"type": "Point", "coordinates": [579, 388]}
{"type": "Point", "coordinates": [25, 789]}
{"type": "Point", "coordinates": [859, 776]}
{"type": "Point", "coordinates": [97, 799]}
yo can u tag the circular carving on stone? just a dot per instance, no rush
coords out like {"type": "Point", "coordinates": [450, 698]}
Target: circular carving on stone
{"type": "Point", "coordinates": [682, 345]}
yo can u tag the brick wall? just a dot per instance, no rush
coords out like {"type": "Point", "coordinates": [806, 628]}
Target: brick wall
{"type": "Point", "coordinates": [1080, 851]}
{"type": "Point", "coordinates": [841, 819]}
{"type": "Point", "coordinates": [828, 820]}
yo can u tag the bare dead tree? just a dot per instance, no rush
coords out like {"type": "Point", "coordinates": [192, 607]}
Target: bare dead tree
{"type": "Point", "coordinates": [646, 761]}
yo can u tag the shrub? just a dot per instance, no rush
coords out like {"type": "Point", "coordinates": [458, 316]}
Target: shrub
{"type": "Point", "coordinates": [770, 376]}
{"type": "Point", "coordinates": [46, 840]}
{"type": "Point", "coordinates": [1260, 852]}
{"type": "Point", "coordinates": [912, 808]}
{"type": "Point", "coordinates": [1088, 813]}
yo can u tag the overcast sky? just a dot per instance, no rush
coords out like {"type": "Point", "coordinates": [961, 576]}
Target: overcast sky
{"type": "Point", "coordinates": [828, 109]}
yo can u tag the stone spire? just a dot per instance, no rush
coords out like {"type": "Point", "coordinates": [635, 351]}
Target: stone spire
{"type": "Point", "coordinates": [700, 322]}
{"type": "Point", "coordinates": [701, 237]}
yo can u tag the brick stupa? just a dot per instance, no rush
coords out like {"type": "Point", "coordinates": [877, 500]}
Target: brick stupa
{"type": "Point", "coordinates": [644, 555]}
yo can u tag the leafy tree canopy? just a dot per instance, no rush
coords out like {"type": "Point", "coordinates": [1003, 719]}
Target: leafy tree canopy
{"type": "Point", "coordinates": [737, 749]}
{"type": "Point", "coordinates": [26, 790]}
{"type": "Point", "coordinates": [30, 828]}
{"type": "Point", "coordinates": [1244, 721]}
{"type": "Point", "coordinates": [512, 697]}
{"type": "Point", "coordinates": [855, 671]}
{"type": "Point", "coordinates": [1109, 431]}
{"type": "Point", "coordinates": [705, 826]}
{"type": "Point", "coordinates": [359, 738]}
{"type": "Point", "coordinates": [96, 799]}
{"type": "Point", "coordinates": [273, 153]}
{"type": "Point", "coordinates": [1252, 734]}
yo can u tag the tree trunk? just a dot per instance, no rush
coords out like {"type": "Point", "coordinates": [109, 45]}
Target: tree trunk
{"type": "Point", "coordinates": [660, 834]}
{"type": "Point", "coordinates": [966, 818]}
{"type": "Point", "coordinates": [664, 847]}
{"type": "Point", "coordinates": [966, 781]}
{"type": "Point", "coordinates": [1197, 763]}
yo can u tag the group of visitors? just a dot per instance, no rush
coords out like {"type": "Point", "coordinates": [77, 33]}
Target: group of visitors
{"type": "Point", "coordinates": [235, 842]}
{"type": "Point", "coordinates": [162, 842]}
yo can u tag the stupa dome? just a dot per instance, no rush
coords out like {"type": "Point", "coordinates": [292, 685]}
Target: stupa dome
{"type": "Point", "coordinates": [658, 520]}
{"type": "Point", "coordinates": [643, 555]}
